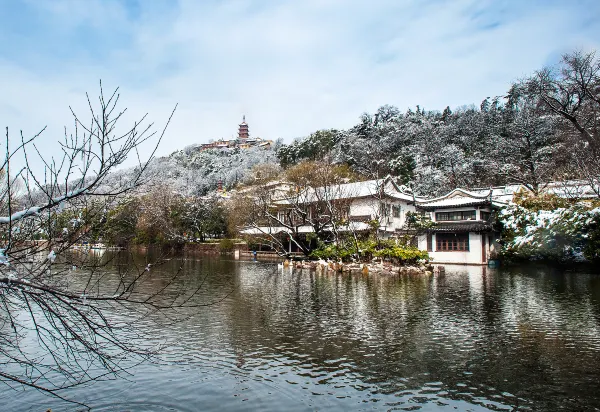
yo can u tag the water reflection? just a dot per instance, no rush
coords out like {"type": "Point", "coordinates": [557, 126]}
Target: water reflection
{"type": "Point", "coordinates": [472, 339]}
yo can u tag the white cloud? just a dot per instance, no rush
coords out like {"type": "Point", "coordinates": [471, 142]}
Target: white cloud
{"type": "Point", "coordinates": [291, 67]}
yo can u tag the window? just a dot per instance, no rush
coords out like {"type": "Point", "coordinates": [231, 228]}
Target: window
{"type": "Point", "coordinates": [452, 242]}
{"type": "Point", "coordinates": [282, 216]}
{"type": "Point", "coordinates": [385, 210]}
{"type": "Point", "coordinates": [452, 216]}
{"type": "Point", "coordinates": [429, 243]}
{"type": "Point", "coordinates": [345, 212]}
{"type": "Point", "coordinates": [382, 210]}
{"type": "Point", "coordinates": [485, 215]}
{"type": "Point", "coordinates": [396, 210]}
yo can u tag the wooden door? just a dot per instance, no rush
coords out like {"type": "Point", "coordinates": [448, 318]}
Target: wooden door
{"type": "Point", "coordinates": [483, 249]}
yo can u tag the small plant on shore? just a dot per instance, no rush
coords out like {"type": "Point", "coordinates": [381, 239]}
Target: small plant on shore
{"type": "Point", "coordinates": [402, 255]}
{"type": "Point", "coordinates": [226, 245]}
{"type": "Point", "coordinates": [398, 252]}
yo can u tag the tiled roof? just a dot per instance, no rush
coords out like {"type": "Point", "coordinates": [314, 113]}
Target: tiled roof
{"type": "Point", "coordinates": [461, 227]}
{"type": "Point", "coordinates": [460, 198]}
{"type": "Point", "coordinates": [368, 188]}
{"type": "Point", "coordinates": [454, 202]}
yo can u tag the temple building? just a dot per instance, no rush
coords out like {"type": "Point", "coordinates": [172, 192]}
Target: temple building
{"type": "Point", "coordinates": [243, 141]}
{"type": "Point", "coordinates": [464, 230]}
{"type": "Point", "coordinates": [243, 132]}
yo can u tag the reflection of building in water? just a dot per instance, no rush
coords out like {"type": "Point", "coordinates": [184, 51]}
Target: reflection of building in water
{"type": "Point", "coordinates": [475, 276]}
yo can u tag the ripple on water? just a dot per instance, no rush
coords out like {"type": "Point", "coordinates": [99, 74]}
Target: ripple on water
{"type": "Point", "coordinates": [297, 341]}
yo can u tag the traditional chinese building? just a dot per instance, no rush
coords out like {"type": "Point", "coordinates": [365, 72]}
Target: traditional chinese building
{"type": "Point", "coordinates": [464, 232]}
{"type": "Point", "coordinates": [243, 141]}
{"type": "Point", "coordinates": [243, 132]}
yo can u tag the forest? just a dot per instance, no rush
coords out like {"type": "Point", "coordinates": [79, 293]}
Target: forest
{"type": "Point", "coordinates": [544, 129]}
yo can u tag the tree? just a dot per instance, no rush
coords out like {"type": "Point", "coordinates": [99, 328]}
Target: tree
{"type": "Point", "coordinates": [572, 91]}
{"type": "Point", "coordinates": [203, 217]}
{"type": "Point", "coordinates": [83, 319]}
{"type": "Point", "coordinates": [314, 147]}
{"type": "Point", "coordinates": [121, 222]}
{"type": "Point", "coordinates": [315, 206]}
{"type": "Point", "coordinates": [525, 150]}
{"type": "Point", "coordinates": [263, 173]}
{"type": "Point", "coordinates": [160, 217]}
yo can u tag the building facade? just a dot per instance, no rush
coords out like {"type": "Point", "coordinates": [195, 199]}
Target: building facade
{"type": "Point", "coordinates": [463, 230]}
{"type": "Point", "coordinates": [355, 205]}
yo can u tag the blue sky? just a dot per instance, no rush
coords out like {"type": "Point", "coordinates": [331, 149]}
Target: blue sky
{"type": "Point", "coordinates": [292, 67]}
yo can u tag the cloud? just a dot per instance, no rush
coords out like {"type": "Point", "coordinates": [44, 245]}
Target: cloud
{"type": "Point", "coordinates": [291, 67]}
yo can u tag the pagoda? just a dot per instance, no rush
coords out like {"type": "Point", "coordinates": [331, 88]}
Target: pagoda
{"type": "Point", "coordinates": [243, 132]}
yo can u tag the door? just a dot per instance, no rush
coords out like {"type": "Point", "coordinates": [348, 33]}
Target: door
{"type": "Point", "coordinates": [483, 248]}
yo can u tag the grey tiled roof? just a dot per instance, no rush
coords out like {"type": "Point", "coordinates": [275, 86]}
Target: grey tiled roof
{"type": "Point", "coordinates": [461, 227]}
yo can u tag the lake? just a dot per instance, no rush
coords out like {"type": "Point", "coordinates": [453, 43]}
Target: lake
{"type": "Point", "coordinates": [473, 339]}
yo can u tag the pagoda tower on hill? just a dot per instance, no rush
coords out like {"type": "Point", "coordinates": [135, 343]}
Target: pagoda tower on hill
{"type": "Point", "coordinates": [243, 132]}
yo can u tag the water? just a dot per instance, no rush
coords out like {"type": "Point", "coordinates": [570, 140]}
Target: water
{"type": "Point", "coordinates": [474, 339]}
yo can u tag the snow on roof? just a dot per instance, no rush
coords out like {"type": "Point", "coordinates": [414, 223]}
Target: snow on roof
{"type": "Point", "coordinates": [565, 189]}
{"type": "Point", "coordinates": [572, 189]}
{"type": "Point", "coordinates": [458, 193]}
{"type": "Point", "coordinates": [368, 188]}
{"type": "Point", "coordinates": [273, 230]}
{"type": "Point", "coordinates": [460, 201]}
{"type": "Point", "coordinates": [461, 197]}
{"type": "Point", "coordinates": [501, 193]}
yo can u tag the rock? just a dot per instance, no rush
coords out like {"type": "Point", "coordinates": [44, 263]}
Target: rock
{"type": "Point", "coordinates": [439, 270]}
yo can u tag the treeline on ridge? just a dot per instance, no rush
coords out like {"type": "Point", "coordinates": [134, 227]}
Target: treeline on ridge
{"type": "Point", "coordinates": [545, 128]}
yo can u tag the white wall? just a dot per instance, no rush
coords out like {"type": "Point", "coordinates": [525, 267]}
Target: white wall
{"type": "Point", "coordinates": [370, 206]}
{"type": "Point", "coordinates": [363, 206]}
{"type": "Point", "coordinates": [473, 256]}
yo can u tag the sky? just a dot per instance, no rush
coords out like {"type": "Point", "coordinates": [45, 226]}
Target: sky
{"type": "Point", "coordinates": [291, 67]}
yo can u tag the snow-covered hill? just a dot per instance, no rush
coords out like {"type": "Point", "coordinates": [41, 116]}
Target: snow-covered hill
{"type": "Point", "coordinates": [192, 172]}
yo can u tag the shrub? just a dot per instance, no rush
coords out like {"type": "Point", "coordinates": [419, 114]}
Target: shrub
{"type": "Point", "coordinates": [226, 245]}
{"type": "Point", "coordinates": [403, 255]}
{"type": "Point", "coordinates": [561, 235]}
{"type": "Point", "coordinates": [543, 201]}
{"type": "Point", "coordinates": [398, 252]}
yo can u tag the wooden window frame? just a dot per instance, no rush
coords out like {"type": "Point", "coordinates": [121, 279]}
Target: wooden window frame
{"type": "Point", "coordinates": [460, 214]}
{"type": "Point", "coordinates": [452, 242]}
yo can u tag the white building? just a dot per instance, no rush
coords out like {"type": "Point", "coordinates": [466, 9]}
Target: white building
{"type": "Point", "coordinates": [504, 194]}
{"type": "Point", "coordinates": [356, 203]}
{"type": "Point", "coordinates": [464, 232]}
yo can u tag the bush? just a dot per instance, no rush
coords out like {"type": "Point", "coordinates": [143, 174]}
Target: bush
{"type": "Point", "coordinates": [403, 255]}
{"type": "Point", "coordinates": [226, 245]}
{"type": "Point", "coordinates": [543, 201]}
{"type": "Point", "coordinates": [398, 252]}
{"type": "Point", "coordinates": [562, 235]}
